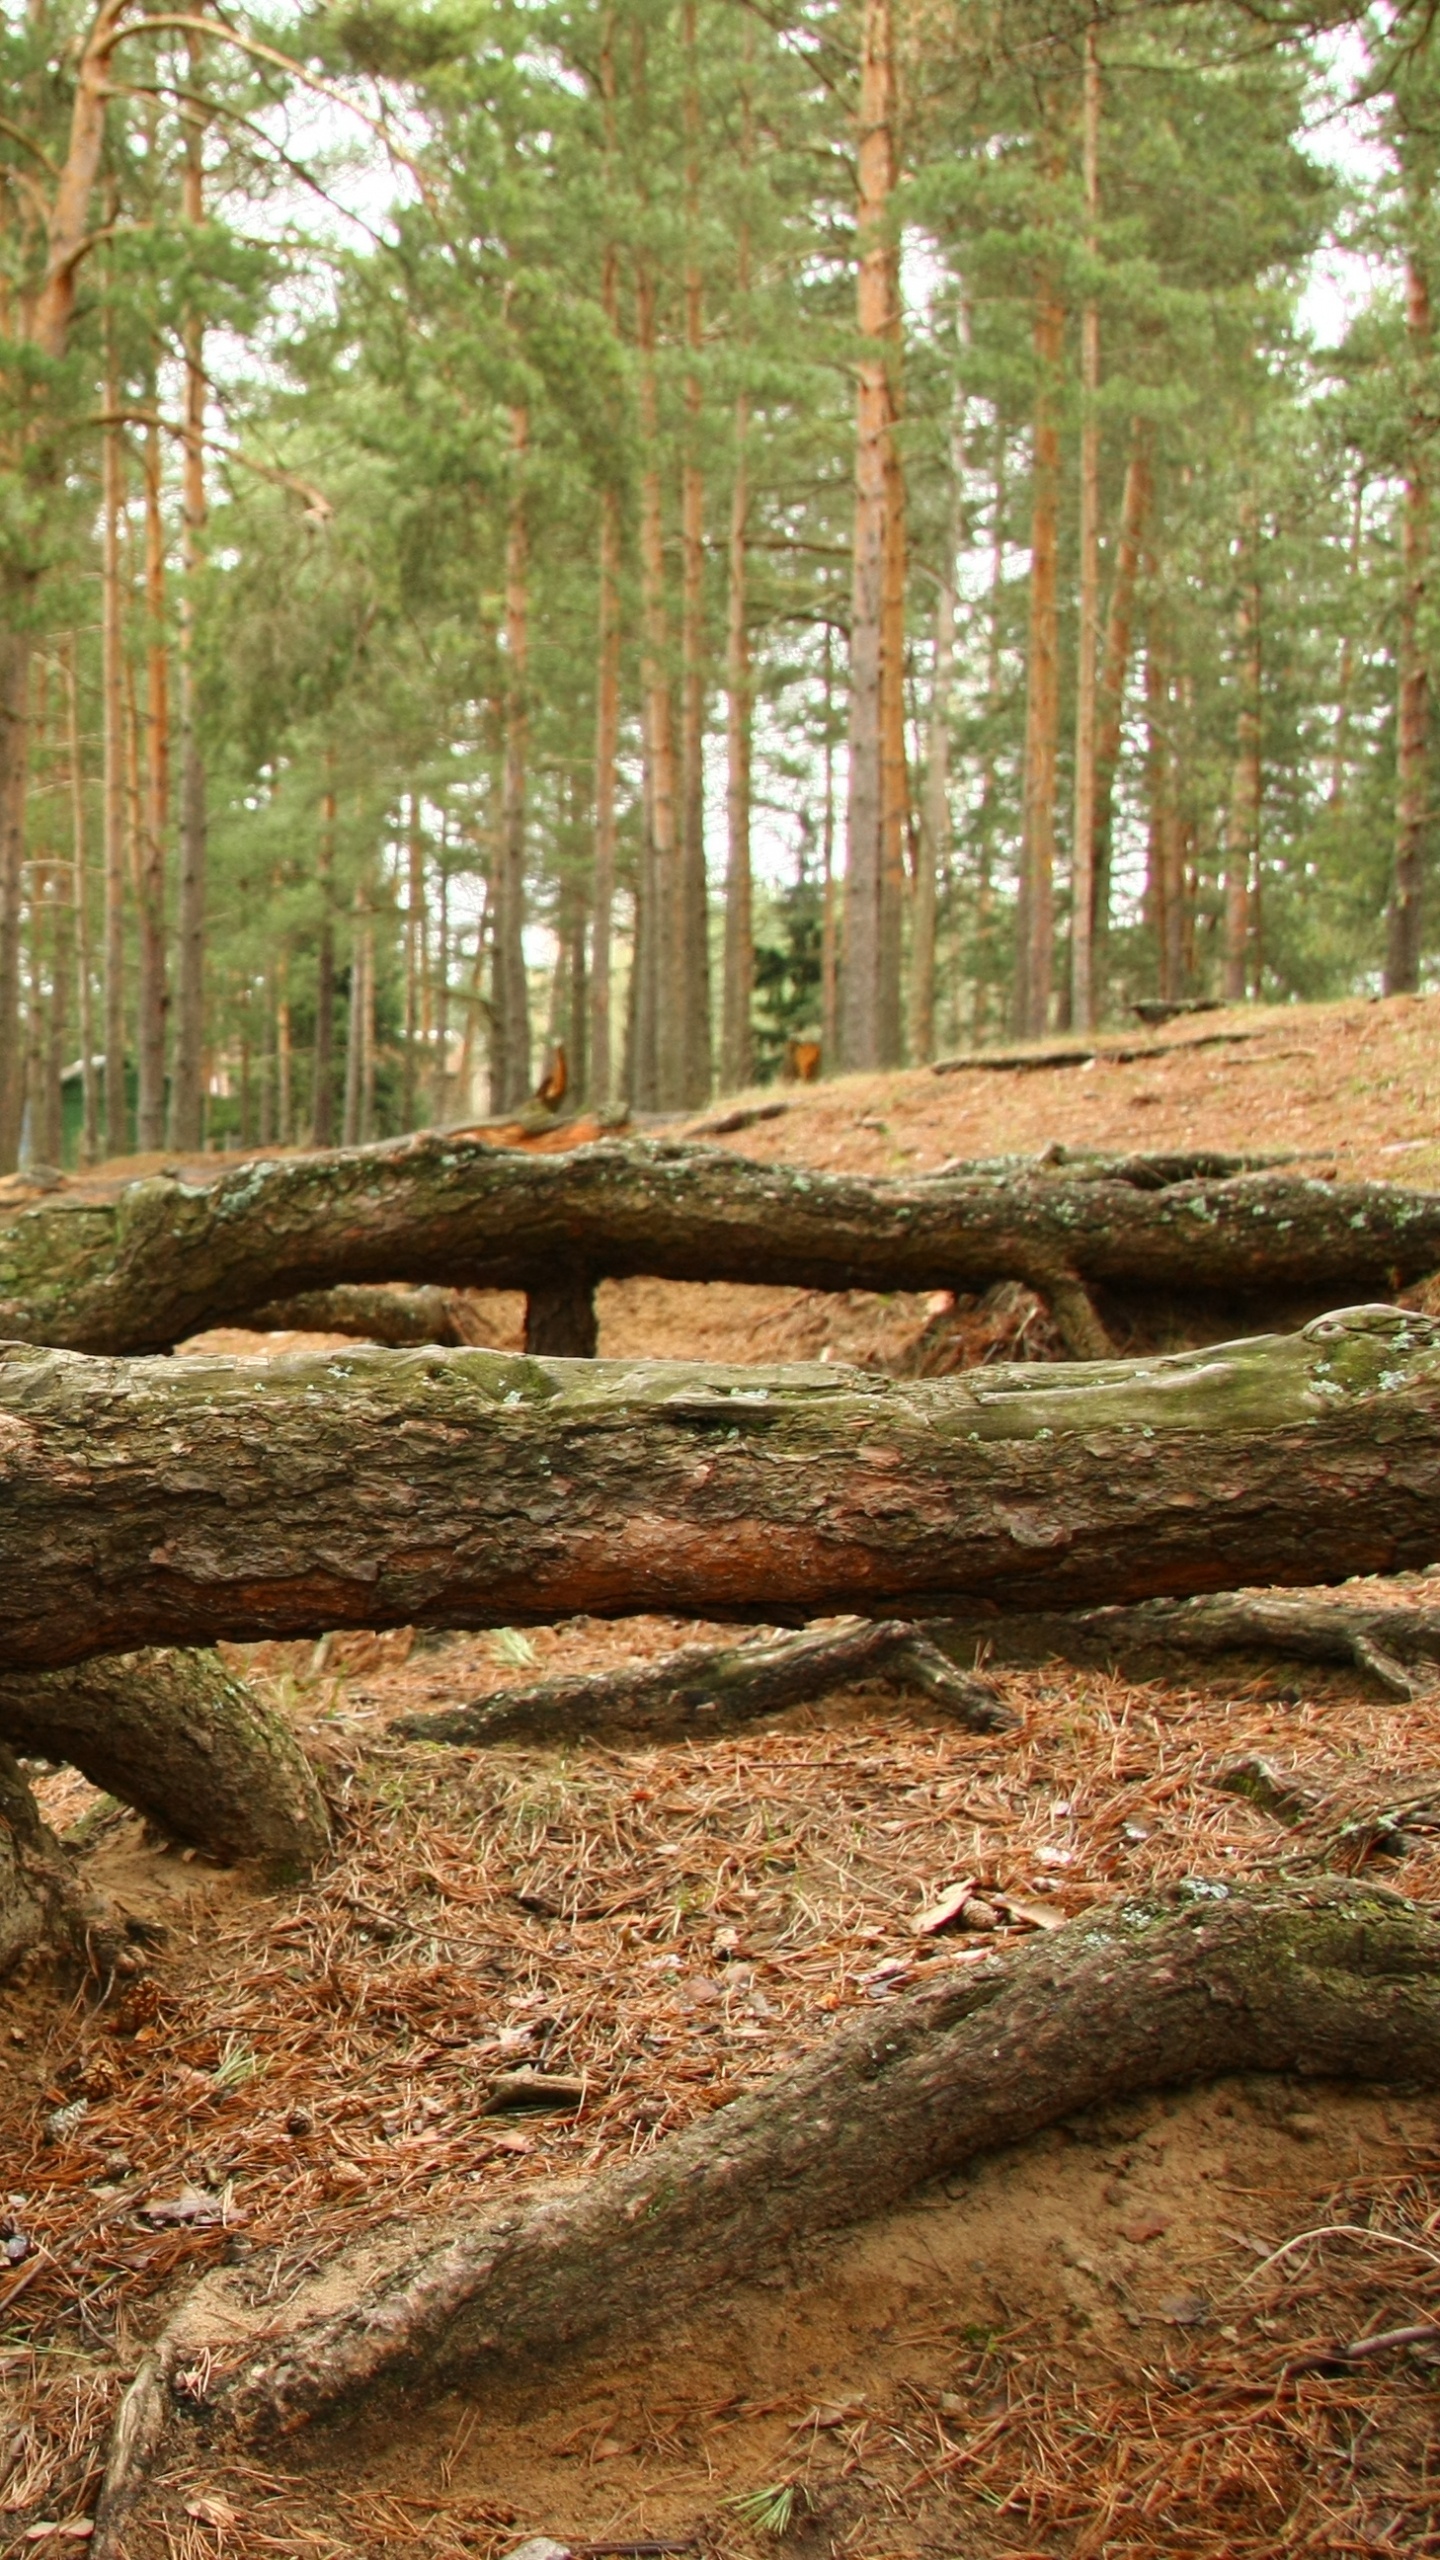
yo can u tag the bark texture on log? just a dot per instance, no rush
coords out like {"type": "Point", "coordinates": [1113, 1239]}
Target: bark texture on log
{"type": "Point", "coordinates": [1386, 1643]}
{"type": "Point", "coordinates": [174, 1502]}
{"type": "Point", "coordinates": [180, 1739]}
{"type": "Point", "coordinates": [706, 1688]}
{"type": "Point", "coordinates": [166, 1258]}
{"type": "Point", "coordinates": [1330, 1980]}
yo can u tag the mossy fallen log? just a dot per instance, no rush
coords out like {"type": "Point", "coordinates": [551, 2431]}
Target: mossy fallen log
{"type": "Point", "coordinates": [176, 1502]}
{"type": "Point", "coordinates": [166, 1258]}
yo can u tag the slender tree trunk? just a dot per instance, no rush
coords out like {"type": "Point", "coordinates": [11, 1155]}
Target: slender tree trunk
{"type": "Point", "coordinates": [354, 1027]}
{"type": "Point", "coordinates": [1135, 499]}
{"type": "Point", "coordinates": [112, 686]}
{"type": "Point", "coordinates": [150, 884]}
{"type": "Point", "coordinates": [895, 778]}
{"type": "Point", "coordinates": [1082, 876]}
{"type": "Point", "coordinates": [510, 1018]}
{"type": "Point", "coordinates": [658, 1032]}
{"type": "Point", "coordinates": [869, 943]}
{"type": "Point", "coordinates": [1345, 673]}
{"type": "Point", "coordinates": [934, 852]}
{"type": "Point", "coordinates": [322, 1098]}
{"type": "Point", "coordinates": [365, 1129]}
{"type": "Point", "coordinates": [738, 1060]}
{"type": "Point", "coordinates": [442, 1005]}
{"type": "Point", "coordinates": [1162, 848]}
{"type": "Point", "coordinates": [989, 811]}
{"type": "Point", "coordinates": [187, 1089]}
{"type": "Point", "coordinates": [284, 1056]}
{"type": "Point", "coordinates": [829, 905]}
{"type": "Point", "coordinates": [607, 740]}
{"type": "Point", "coordinates": [14, 749]}
{"type": "Point", "coordinates": [412, 948]}
{"type": "Point", "coordinates": [1405, 923]}
{"type": "Point", "coordinates": [692, 956]}
{"type": "Point", "coordinates": [1036, 920]}
{"type": "Point", "coordinates": [1242, 826]}
{"type": "Point", "coordinates": [89, 1115]}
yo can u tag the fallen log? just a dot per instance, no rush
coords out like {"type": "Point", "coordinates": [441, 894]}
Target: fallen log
{"type": "Point", "coordinates": [1387, 1643]}
{"type": "Point", "coordinates": [399, 1318]}
{"type": "Point", "coordinates": [706, 1688]}
{"type": "Point", "coordinates": [1329, 1980]}
{"type": "Point", "coordinates": [167, 1258]}
{"type": "Point", "coordinates": [176, 1502]}
{"type": "Point", "coordinates": [184, 1742]}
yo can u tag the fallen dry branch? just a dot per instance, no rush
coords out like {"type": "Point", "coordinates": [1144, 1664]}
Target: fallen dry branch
{"type": "Point", "coordinates": [1388, 1644]}
{"type": "Point", "coordinates": [702, 1689]}
{"type": "Point", "coordinates": [177, 1502]}
{"type": "Point", "coordinates": [1330, 1980]}
{"type": "Point", "coordinates": [177, 1736]}
{"type": "Point", "coordinates": [166, 1258]}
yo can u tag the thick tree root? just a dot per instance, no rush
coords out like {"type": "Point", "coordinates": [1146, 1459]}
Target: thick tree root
{"type": "Point", "coordinates": [177, 1737]}
{"type": "Point", "coordinates": [560, 1318]}
{"type": "Point", "coordinates": [39, 1903]}
{"type": "Point", "coordinates": [705, 1689]}
{"type": "Point", "coordinates": [1385, 1643]}
{"type": "Point", "coordinates": [1332, 1980]}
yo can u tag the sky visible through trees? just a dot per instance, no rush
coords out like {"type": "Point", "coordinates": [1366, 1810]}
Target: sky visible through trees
{"type": "Point", "coordinates": [673, 527]}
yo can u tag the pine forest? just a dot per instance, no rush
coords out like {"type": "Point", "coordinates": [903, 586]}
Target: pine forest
{"type": "Point", "coordinates": [635, 542]}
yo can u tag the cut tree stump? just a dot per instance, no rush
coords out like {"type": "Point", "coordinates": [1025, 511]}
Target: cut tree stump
{"type": "Point", "coordinates": [1330, 1980]}
{"type": "Point", "coordinates": [1388, 1644]}
{"type": "Point", "coordinates": [706, 1688]}
{"type": "Point", "coordinates": [40, 1903]}
{"type": "Point", "coordinates": [179, 1501]}
{"type": "Point", "coordinates": [183, 1741]}
{"type": "Point", "coordinates": [168, 1258]}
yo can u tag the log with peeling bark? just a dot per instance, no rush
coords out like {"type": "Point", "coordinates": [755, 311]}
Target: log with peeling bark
{"type": "Point", "coordinates": [181, 1739]}
{"type": "Point", "coordinates": [176, 1502]}
{"type": "Point", "coordinates": [166, 1258]}
{"type": "Point", "coordinates": [1396, 1645]}
{"type": "Point", "coordinates": [1331, 1980]}
{"type": "Point", "coordinates": [703, 1689]}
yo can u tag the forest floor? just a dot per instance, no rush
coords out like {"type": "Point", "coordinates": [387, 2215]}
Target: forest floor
{"type": "Point", "coordinates": [1120, 2338]}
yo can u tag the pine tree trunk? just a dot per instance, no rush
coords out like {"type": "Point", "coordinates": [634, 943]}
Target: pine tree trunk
{"type": "Point", "coordinates": [1345, 672]}
{"type": "Point", "coordinates": [894, 771]}
{"type": "Point", "coordinates": [15, 651]}
{"type": "Point", "coordinates": [1405, 923]}
{"type": "Point", "coordinates": [322, 1098]}
{"type": "Point", "coordinates": [510, 1016]}
{"type": "Point", "coordinates": [868, 940]}
{"type": "Point", "coordinates": [187, 1090]}
{"type": "Point", "coordinates": [117, 1137]}
{"type": "Point", "coordinates": [414, 954]}
{"type": "Point", "coordinates": [829, 915]}
{"type": "Point", "coordinates": [737, 1066]}
{"type": "Point", "coordinates": [1036, 919]}
{"type": "Point", "coordinates": [693, 944]}
{"type": "Point", "coordinates": [178, 1502]}
{"type": "Point", "coordinates": [80, 892]}
{"type": "Point", "coordinates": [989, 812]}
{"type": "Point", "coordinates": [659, 1034]}
{"type": "Point", "coordinates": [1242, 825]}
{"type": "Point", "coordinates": [607, 740]}
{"type": "Point", "coordinates": [1162, 828]}
{"type": "Point", "coordinates": [1082, 874]}
{"type": "Point", "coordinates": [150, 885]}
{"type": "Point", "coordinates": [355, 1028]}
{"type": "Point", "coordinates": [1135, 500]}
{"type": "Point", "coordinates": [934, 848]}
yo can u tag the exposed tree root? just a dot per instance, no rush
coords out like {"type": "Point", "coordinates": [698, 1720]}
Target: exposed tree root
{"type": "Point", "coordinates": [1385, 1643]}
{"type": "Point", "coordinates": [175, 1735]}
{"type": "Point", "coordinates": [399, 1317]}
{"type": "Point", "coordinates": [1332, 1980]}
{"type": "Point", "coordinates": [40, 1905]}
{"type": "Point", "coordinates": [712, 1688]}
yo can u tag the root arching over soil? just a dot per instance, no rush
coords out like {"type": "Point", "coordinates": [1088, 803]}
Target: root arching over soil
{"type": "Point", "coordinates": [1331, 1980]}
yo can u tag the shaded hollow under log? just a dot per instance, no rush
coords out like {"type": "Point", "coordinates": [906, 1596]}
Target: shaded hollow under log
{"type": "Point", "coordinates": [178, 1501]}
{"type": "Point", "coordinates": [1331, 1980]}
{"type": "Point", "coordinates": [167, 1258]}
{"type": "Point", "coordinates": [706, 1688]}
{"type": "Point", "coordinates": [177, 1736]}
{"type": "Point", "coordinates": [1397, 1646]}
